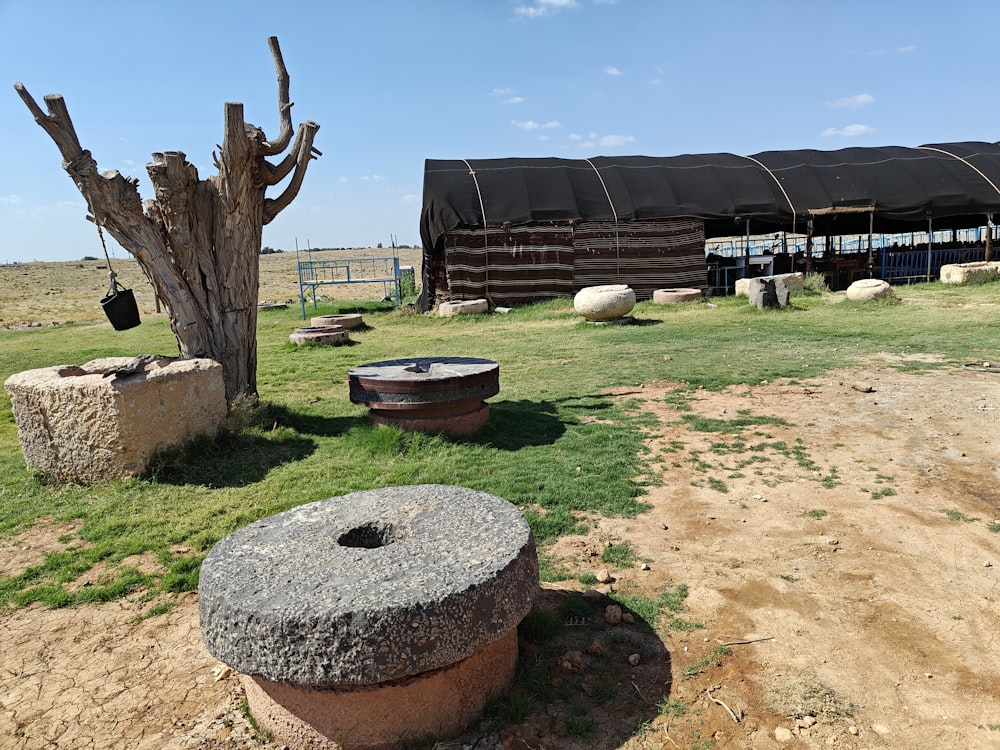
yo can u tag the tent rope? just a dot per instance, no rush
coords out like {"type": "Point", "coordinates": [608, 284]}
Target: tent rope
{"type": "Point", "coordinates": [971, 166]}
{"type": "Point", "coordinates": [486, 243]}
{"type": "Point", "coordinates": [780, 187]}
{"type": "Point", "coordinates": [618, 247]}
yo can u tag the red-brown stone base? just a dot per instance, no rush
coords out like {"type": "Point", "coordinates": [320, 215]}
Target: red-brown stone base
{"type": "Point", "coordinates": [436, 705]}
{"type": "Point", "coordinates": [413, 420]}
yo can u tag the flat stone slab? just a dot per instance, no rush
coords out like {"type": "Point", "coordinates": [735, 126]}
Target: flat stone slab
{"type": "Point", "coordinates": [347, 320]}
{"type": "Point", "coordinates": [368, 587]}
{"type": "Point", "coordinates": [463, 307]}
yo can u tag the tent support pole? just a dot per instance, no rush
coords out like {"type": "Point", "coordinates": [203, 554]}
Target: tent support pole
{"type": "Point", "coordinates": [930, 243]}
{"type": "Point", "coordinates": [871, 231]}
{"type": "Point", "coordinates": [809, 247]}
{"type": "Point", "coordinates": [989, 236]}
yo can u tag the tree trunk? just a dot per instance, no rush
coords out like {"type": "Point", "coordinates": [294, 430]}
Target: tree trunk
{"type": "Point", "coordinates": [198, 241]}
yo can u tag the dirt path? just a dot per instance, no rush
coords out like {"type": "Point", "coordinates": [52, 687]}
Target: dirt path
{"type": "Point", "coordinates": [855, 530]}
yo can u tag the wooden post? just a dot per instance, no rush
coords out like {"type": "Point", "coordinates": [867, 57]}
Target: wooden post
{"type": "Point", "coordinates": [989, 236]}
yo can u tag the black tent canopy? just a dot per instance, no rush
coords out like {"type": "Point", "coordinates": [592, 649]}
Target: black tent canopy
{"type": "Point", "coordinates": [848, 191]}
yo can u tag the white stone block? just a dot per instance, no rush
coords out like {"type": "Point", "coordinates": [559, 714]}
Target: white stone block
{"type": "Point", "coordinates": [793, 282]}
{"type": "Point", "coordinates": [868, 289]}
{"type": "Point", "coordinates": [961, 273]}
{"type": "Point", "coordinates": [76, 425]}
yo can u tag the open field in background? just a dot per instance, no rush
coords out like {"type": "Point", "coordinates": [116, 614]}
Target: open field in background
{"type": "Point", "coordinates": [797, 506]}
{"type": "Point", "coordinates": [46, 293]}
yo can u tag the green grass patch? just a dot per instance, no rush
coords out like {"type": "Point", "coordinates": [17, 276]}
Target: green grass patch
{"type": "Point", "coordinates": [956, 515]}
{"type": "Point", "coordinates": [621, 555]}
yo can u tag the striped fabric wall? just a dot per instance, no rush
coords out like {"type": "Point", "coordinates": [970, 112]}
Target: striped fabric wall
{"type": "Point", "coordinates": [536, 262]}
{"type": "Point", "coordinates": [526, 264]}
{"type": "Point", "coordinates": [648, 255]}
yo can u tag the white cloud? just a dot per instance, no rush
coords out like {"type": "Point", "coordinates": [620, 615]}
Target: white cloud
{"type": "Point", "coordinates": [592, 140]}
{"type": "Point", "coordinates": [615, 141]}
{"type": "Point", "coordinates": [904, 50]}
{"type": "Point", "coordinates": [502, 92]}
{"type": "Point", "coordinates": [851, 131]}
{"type": "Point", "coordinates": [532, 125]}
{"type": "Point", "coordinates": [853, 102]}
{"type": "Point", "coordinates": [410, 199]}
{"type": "Point", "coordinates": [540, 8]}
{"type": "Point", "coordinates": [11, 200]}
{"type": "Point", "coordinates": [376, 178]}
{"type": "Point", "coordinates": [514, 100]}
{"type": "Point", "coordinates": [611, 70]}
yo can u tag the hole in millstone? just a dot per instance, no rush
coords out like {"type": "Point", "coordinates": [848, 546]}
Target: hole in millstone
{"type": "Point", "coordinates": [370, 535]}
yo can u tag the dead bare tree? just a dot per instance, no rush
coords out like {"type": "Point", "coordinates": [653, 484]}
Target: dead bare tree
{"type": "Point", "coordinates": [198, 241]}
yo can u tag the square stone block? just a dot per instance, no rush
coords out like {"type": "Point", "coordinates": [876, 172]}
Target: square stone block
{"type": "Point", "coordinates": [82, 423]}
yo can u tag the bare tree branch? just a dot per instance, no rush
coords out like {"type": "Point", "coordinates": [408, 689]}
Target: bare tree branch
{"type": "Point", "coordinates": [57, 123]}
{"type": "Point", "coordinates": [284, 105]}
{"type": "Point", "coordinates": [274, 206]}
{"type": "Point", "coordinates": [272, 174]}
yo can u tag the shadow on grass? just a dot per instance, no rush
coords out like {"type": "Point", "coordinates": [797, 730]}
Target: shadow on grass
{"type": "Point", "coordinates": [309, 424]}
{"type": "Point", "coordinates": [232, 461]}
{"type": "Point", "coordinates": [574, 679]}
{"type": "Point", "coordinates": [520, 424]}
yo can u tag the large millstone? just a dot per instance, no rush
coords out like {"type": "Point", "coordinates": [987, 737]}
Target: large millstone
{"type": "Point", "coordinates": [371, 602]}
{"type": "Point", "coordinates": [427, 394]}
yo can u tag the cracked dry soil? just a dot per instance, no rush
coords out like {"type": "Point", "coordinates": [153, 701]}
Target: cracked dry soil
{"type": "Point", "coordinates": [852, 535]}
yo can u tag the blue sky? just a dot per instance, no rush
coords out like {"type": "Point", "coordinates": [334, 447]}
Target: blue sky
{"type": "Point", "coordinates": [394, 82]}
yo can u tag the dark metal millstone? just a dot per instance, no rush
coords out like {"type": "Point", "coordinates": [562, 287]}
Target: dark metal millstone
{"type": "Point", "coordinates": [444, 394]}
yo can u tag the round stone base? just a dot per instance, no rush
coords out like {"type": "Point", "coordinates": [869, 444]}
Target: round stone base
{"type": "Point", "coordinates": [458, 425]}
{"type": "Point", "coordinates": [436, 705]}
{"type": "Point", "coordinates": [319, 335]}
{"type": "Point", "coordinates": [347, 320]}
{"type": "Point", "coordinates": [675, 296]}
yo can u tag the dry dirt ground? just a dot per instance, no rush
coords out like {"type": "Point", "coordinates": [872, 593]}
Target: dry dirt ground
{"type": "Point", "coordinates": [838, 538]}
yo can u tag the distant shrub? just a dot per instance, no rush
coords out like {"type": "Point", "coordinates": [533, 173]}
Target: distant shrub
{"type": "Point", "coordinates": [89, 257]}
{"type": "Point", "coordinates": [815, 283]}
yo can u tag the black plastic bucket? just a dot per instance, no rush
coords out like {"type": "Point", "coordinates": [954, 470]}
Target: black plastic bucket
{"type": "Point", "coordinates": [121, 308]}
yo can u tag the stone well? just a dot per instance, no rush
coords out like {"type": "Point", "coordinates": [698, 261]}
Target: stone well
{"type": "Point", "coordinates": [108, 418]}
{"type": "Point", "coordinates": [675, 296]}
{"type": "Point", "coordinates": [373, 619]}
{"type": "Point", "coordinates": [332, 334]}
{"type": "Point", "coordinates": [427, 394]}
{"type": "Point", "coordinates": [600, 304]}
